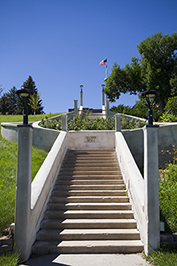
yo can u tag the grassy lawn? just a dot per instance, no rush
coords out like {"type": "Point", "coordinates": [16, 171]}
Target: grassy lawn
{"type": "Point", "coordinates": [8, 167]}
{"type": "Point", "coordinates": [166, 256]}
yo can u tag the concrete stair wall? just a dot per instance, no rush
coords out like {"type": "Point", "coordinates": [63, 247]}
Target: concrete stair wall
{"type": "Point", "coordinates": [89, 210]}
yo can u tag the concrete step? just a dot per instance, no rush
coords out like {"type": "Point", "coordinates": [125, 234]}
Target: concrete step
{"type": "Point", "coordinates": [89, 193]}
{"type": "Point", "coordinates": [88, 234]}
{"type": "Point", "coordinates": [88, 223]}
{"type": "Point", "coordinates": [92, 163]}
{"type": "Point", "coordinates": [88, 211]}
{"type": "Point", "coordinates": [90, 169]}
{"type": "Point", "coordinates": [88, 199]}
{"type": "Point", "coordinates": [88, 187]}
{"type": "Point", "coordinates": [88, 246]}
{"type": "Point", "coordinates": [91, 151]}
{"type": "Point", "coordinates": [88, 175]}
{"type": "Point", "coordinates": [89, 206]}
{"type": "Point", "coordinates": [65, 181]}
{"type": "Point", "coordinates": [89, 214]}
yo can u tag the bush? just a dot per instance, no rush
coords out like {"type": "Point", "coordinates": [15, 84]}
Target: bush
{"type": "Point", "coordinates": [87, 123]}
{"type": "Point", "coordinates": [168, 192]}
{"type": "Point", "coordinates": [166, 117]}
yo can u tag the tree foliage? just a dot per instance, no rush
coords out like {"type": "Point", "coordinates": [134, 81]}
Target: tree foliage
{"type": "Point", "coordinates": [10, 103]}
{"type": "Point", "coordinates": [156, 69]}
{"type": "Point", "coordinates": [30, 84]}
{"type": "Point", "coordinates": [34, 102]}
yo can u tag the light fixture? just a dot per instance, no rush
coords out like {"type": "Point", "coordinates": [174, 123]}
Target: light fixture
{"type": "Point", "coordinates": [150, 96]}
{"type": "Point", "coordinates": [25, 93]}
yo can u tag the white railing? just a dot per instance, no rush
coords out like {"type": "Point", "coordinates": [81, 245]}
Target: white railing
{"type": "Point", "coordinates": [132, 178]}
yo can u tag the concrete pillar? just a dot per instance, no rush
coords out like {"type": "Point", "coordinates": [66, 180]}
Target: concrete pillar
{"type": "Point", "coordinates": [103, 97]}
{"type": "Point", "coordinates": [107, 107]}
{"type": "Point", "coordinates": [81, 96]}
{"type": "Point", "coordinates": [75, 105]}
{"type": "Point", "coordinates": [23, 190]}
{"type": "Point", "coordinates": [151, 200]}
{"type": "Point", "coordinates": [64, 122]}
{"type": "Point", "coordinates": [81, 100]}
{"type": "Point", "coordinates": [117, 123]}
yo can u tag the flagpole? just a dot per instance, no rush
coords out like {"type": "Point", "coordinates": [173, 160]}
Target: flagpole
{"type": "Point", "coordinates": [106, 68]}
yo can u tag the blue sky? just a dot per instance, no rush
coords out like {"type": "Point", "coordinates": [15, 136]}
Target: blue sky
{"type": "Point", "coordinates": [61, 42]}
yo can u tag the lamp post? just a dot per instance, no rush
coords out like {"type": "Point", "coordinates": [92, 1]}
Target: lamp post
{"type": "Point", "coordinates": [150, 96]}
{"type": "Point", "coordinates": [25, 93]}
{"type": "Point", "coordinates": [81, 95]}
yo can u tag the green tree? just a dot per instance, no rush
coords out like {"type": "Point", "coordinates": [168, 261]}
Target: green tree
{"type": "Point", "coordinates": [8, 102]}
{"type": "Point", "coordinates": [34, 102]}
{"type": "Point", "coordinates": [171, 106]}
{"type": "Point", "coordinates": [29, 84]}
{"type": "Point", "coordinates": [1, 89]}
{"type": "Point", "coordinates": [156, 69]}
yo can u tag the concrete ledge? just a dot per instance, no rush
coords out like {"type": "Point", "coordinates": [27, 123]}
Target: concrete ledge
{"type": "Point", "coordinates": [91, 139]}
{"type": "Point", "coordinates": [133, 179]}
{"type": "Point", "coordinates": [43, 138]}
{"type": "Point", "coordinates": [42, 186]}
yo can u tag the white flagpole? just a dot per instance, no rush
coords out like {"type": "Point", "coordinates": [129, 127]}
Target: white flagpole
{"type": "Point", "coordinates": [106, 67]}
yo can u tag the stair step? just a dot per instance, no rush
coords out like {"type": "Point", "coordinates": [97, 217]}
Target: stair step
{"type": "Point", "coordinates": [89, 206]}
{"type": "Point", "coordinates": [89, 168]}
{"type": "Point", "coordinates": [90, 173]}
{"type": "Point", "coordinates": [91, 246]}
{"type": "Point", "coordinates": [89, 182]}
{"type": "Point", "coordinates": [88, 234]}
{"type": "Point", "coordinates": [90, 199]}
{"type": "Point", "coordinates": [89, 193]}
{"type": "Point", "coordinates": [88, 187]}
{"type": "Point", "coordinates": [89, 223]}
{"type": "Point", "coordinates": [87, 214]}
{"type": "Point", "coordinates": [92, 163]}
{"type": "Point", "coordinates": [85, 176]}
{"type": "Point", "coordinates": [89, 211]}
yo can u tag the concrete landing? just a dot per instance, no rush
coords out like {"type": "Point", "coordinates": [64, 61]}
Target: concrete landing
{"type": "Point", "coordinates": [87, 260]}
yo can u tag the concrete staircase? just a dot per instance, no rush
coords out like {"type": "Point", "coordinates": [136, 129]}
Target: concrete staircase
{"type": "Point", "coordinates": [89, 210]}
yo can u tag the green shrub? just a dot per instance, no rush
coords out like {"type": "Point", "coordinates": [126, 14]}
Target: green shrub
{"type": "Point", "coordinates": [87, 123]}
{"type": "Point", "coordinates": [166, 117]}
{"type": "Point", "coordinates": [168, 192]}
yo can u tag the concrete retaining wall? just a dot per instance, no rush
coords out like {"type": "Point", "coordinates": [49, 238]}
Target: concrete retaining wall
{"type": "Point", "coordinates": [95, 139]}
{"type": "Point", "coordinates": [43, 184]}
{"type": "Point", "coordinates": [132, 178]}
{"type": "Point", "coordinates": [43, 138]}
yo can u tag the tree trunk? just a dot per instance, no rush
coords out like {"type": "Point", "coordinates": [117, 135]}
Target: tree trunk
{"type": "Point", "coordinates": [162, 105]}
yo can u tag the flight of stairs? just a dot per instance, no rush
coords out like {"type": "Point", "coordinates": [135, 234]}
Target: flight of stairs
{"type": "Point", "coordinates": [89, 210]}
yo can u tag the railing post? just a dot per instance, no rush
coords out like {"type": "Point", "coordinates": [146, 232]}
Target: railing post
{"type": "Point", "coordinates": [117, 122]}
{"type": "Point", "coordinates": [151, 182]}
{"type": "Point", "coordinates": [75, 106]}
{"type": "Point", "coordinates": [107, 108]}
{"type": "Point", "coordinates": [23, 190]}
{"type": "Point", "coordinates": [64, 122]}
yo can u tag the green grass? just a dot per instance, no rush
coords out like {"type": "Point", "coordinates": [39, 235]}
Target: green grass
{"type": "Point", "coordinates": [9, 259]}
{"type": "Point", "coordinates": [8, 166]}
{"type": "Point", "coordinates": [166, 256]}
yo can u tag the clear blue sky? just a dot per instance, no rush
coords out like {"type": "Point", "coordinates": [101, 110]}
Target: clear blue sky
{"type": "Point", "coordinates": [61, 42]}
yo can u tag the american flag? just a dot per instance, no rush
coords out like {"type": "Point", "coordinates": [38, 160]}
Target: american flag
{"type": "Point", "coordinates": [103, 62]}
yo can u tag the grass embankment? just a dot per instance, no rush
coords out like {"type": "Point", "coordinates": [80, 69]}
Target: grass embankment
{"type": "Point", "coordinates": [8, 166]}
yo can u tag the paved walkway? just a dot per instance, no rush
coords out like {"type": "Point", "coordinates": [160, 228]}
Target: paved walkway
{"type": "Point", "coordinates": [87, 260]}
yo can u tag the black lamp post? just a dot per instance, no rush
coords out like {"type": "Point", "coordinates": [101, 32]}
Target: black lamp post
{"type": "Point", "coordinates": [150, 96]}
{"type": "Point", "coordinates": [25, 93]}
